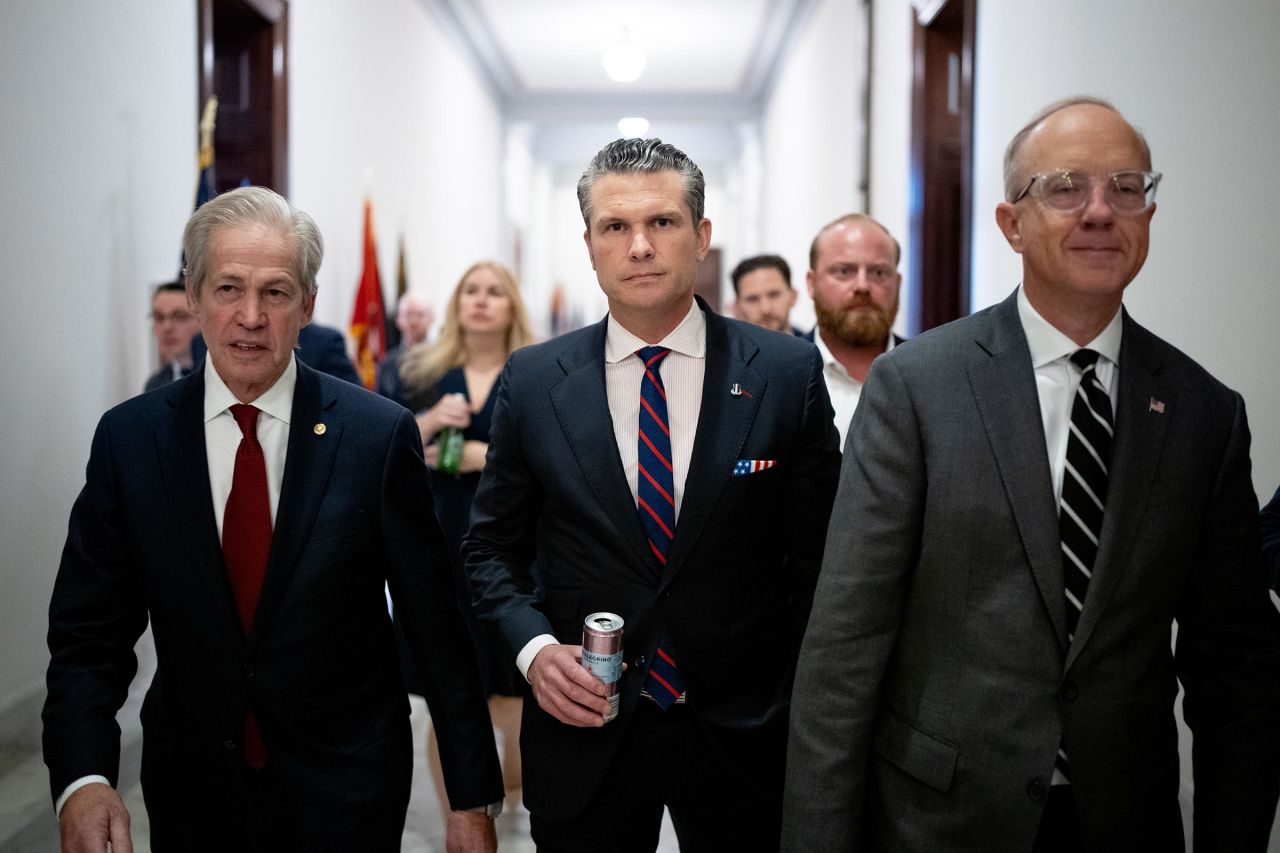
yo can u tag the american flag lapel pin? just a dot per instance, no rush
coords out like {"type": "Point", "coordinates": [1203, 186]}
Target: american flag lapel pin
{"type": "Point", "coordinates": [1156, 406]}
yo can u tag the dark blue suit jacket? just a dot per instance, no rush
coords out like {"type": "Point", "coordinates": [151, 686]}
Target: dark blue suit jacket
{"type": "Point", "coordinates": [738, 584]}
{"type": "Point", "coordinates": [319, 669]}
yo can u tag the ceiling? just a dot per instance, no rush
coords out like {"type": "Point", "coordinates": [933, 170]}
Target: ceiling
{"type": "Point", "coordinates": [708, 60]}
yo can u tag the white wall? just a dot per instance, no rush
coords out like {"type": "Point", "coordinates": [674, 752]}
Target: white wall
{"type": "Point", "coordinates": [890, 137]}
{"type": "Point", "coordinates": [381, 100]}
{"type": "Point", "coordinates": [812, 138]}
{"type": "Point", "coordinates": [98, 159]}
{"type": "Point", "coordinates": [1201, 84]}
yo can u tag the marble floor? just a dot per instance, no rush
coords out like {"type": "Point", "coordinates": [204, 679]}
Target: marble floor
{"type": "Point", "coordinates": [27, 824]}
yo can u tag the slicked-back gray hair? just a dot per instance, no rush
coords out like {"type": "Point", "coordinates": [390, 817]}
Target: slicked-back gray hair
{"type": "Point", "coordinates": [1014, 179]}
{"type": "Point", "coordinates": [629, 156]}
{"type": "Point", "coordinates": [244, 207]}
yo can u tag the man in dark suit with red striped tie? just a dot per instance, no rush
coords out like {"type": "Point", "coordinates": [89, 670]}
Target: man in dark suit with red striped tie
{"type": "Point", "coordinates": [617, 463]}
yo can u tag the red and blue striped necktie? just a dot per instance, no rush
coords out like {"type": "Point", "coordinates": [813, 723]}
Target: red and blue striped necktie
{"type": "Point", "coordinates": [656, 503]}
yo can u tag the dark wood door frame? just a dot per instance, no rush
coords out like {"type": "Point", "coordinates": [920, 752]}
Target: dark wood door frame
{"type": "Point", "coordinates": [941, 191]}
{"type": "Point", "coordinates": [251, 139]}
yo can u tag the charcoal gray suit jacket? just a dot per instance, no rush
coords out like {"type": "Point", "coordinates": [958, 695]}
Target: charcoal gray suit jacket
{"type": "Point", "coordinates": [936, 682]}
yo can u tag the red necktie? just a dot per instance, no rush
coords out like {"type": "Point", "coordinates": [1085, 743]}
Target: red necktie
{"type": "Point", "coordinates": [246, 544]}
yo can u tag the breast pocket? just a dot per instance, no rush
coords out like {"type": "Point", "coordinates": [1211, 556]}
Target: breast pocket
{"type": "Point", "coordinates": [328, 529]}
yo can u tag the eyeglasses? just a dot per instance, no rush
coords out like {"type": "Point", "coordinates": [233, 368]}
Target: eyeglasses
{"type": "Point", "coordinates": [1068, 191]}
{"type": "Point", "coordinates": [175, 317]}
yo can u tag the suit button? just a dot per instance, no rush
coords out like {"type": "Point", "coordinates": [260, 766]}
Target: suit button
{"type": "Point", "coordinates": [248, 670]}
{"type": "Point", "coordinates": [640, 663]}
{"type": "Point", "coordinates": [1036, 789]}
{"type": "Point", "coordinates": [1070, 691]}
{"type": "Point", "coordinates": [230, 746]}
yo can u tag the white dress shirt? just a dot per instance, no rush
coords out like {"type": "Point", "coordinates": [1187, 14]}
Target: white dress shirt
{"type": "Point", "coordinates": [1057, 379]}
{"type": "Point", "coordinates": [682, 374]}
{"type": "Point", "coordinates": [222, 434]}
{"type": "Point", "coordinates": [221, 440]}
{"type": "Point", "coordinates": [843, 389]}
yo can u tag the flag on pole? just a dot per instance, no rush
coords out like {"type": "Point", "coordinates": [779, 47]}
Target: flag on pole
{"type": "Point", "coordinates": [402, 287]}
{"type": "Point", "coordinates": [368, 317]}
{"type": "Point", "coordinates": [205, 186]}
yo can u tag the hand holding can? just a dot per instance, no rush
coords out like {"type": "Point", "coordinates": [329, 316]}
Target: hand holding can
{"type": "Point", "coordinates": [602, 654]}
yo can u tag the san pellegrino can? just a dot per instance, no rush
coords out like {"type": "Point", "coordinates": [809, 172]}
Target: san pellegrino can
{"type": "Point", "coordinates": [602, 653]}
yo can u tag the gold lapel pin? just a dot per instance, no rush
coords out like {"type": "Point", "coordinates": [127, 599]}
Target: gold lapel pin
{"type": "Point", "coordinates": [318, 429]}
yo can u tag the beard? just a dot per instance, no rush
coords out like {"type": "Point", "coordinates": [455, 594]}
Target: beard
{"type": "Point", "coordinates": [862, 325]}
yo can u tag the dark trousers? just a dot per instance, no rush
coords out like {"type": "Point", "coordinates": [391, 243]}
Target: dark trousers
{"type": "Point", "coordinates": [1059, 823]}
{"type": "Point", "coordinates": [667, 759]}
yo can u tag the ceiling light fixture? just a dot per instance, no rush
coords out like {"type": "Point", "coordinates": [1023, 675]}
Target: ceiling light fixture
{"type": "Point", "coordinates": [633, 127]}
{"type": "Point", "coordinates": [623, 61]}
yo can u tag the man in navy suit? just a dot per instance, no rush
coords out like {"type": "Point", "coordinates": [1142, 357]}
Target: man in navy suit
{"type": "Point", "coordinates": [252, 512]}
{"type": "Point", "coordinates": [675, 468]}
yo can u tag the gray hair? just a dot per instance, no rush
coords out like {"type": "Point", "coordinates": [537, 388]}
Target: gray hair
{"type": "Point", "coordinates": [244, 207]}
{"type": "Point", "coordinates": [629, 156]}
{"type": "Point", "coordinates": [1014, 180]}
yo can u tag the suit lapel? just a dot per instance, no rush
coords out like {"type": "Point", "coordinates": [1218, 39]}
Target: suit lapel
{"type": "Point", "coordinates": [724, 420]}
{"type": "Point", "coordinates": [1016, 434]}
{"type": "Point", "coordinates": [308, 463]}
{"type": "Point", "coordinates": [581, 405]}
{"type": "Point", "coordinates": [1140, 432]}
{"type": "Point", "coordinates": [184, 467]}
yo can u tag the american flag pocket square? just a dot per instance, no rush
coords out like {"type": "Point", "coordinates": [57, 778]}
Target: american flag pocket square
{"type": "Point", "coordinates": [751, 466]}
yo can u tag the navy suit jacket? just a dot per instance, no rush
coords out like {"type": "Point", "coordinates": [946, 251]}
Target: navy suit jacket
{"type": "Point", "coordinates": [736, 591]}
{"type": "Point", "coordinates": [319, 668]}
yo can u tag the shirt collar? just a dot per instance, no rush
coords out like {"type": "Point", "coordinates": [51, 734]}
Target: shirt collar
{"type": "Point", "coordinates": [689, 338]}
{"type": "Point", "coordinates": [1047, 344]}
{"type": "Point", "coordinates": [276, 401]}
{"type": "Point", "coordinates": [829, 360]}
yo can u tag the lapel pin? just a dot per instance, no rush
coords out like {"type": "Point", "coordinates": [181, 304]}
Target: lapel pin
{"type": "Point", "coordinates": [1156, 406]}
{"type": "Point", "coordinates": [318, 429]}
{"type": "Point", "coordinates": [736, 390]}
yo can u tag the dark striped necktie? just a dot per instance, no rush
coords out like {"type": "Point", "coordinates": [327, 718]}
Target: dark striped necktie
{"type": "Point", "coordinates": [1084, 491]}
{"type": "Point", "coordinates": [656, 503]}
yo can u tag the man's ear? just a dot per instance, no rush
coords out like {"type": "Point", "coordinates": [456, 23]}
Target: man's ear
{"type": "Point", "coordinates": [1010, 224]}
{"type": "Point", "coordinates": [704, 238]}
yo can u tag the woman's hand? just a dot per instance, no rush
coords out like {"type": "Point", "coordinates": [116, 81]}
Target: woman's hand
{"type": "Point", "coordinates": [452, 410]}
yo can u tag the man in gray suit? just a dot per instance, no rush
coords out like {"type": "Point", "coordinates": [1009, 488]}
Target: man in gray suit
{"type": "Point", "coordinates": [1030, 497]}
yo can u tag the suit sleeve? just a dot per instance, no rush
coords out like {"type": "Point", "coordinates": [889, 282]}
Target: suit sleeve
{"type": "Point", "coordinates": [499, 549]}
{"type": "Point", "coordinates": [333, 359]}
{"type": "Point", "coordinates": [421, 580]}
{"type": "Point", "coordinates": [810, 490]}
{"type": "Point", "coordinates": [1228, 656]}
{"type": "Point", "coordinates": [871, 549]}
{"type": "Point", "coordinates": [1270, 523]}
{"type": "Point", "coordinates": [96, 614]}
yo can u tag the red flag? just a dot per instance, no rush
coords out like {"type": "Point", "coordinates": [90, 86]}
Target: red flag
{"type": "Point", "coordinates": [368, 317]}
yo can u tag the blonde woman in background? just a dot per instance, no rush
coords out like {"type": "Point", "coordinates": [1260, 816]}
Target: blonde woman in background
{"type": "Point", "coordinates": [453, 382]}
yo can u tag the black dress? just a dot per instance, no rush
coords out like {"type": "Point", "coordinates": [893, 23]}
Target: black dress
{"type": "Point", "coordinates": [453, 495]}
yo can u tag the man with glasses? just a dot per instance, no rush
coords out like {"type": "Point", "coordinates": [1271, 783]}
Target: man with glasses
{"type": "Point", "coordinates": [173, 325]}
{"type": "Point", "coordinates": [1030, 498]}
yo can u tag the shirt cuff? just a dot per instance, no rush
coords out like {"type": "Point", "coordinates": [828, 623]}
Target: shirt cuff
{"type": "Point", "coordinates": [530, 651]}
{"type": "Point", "coordinates": [76, 786]}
